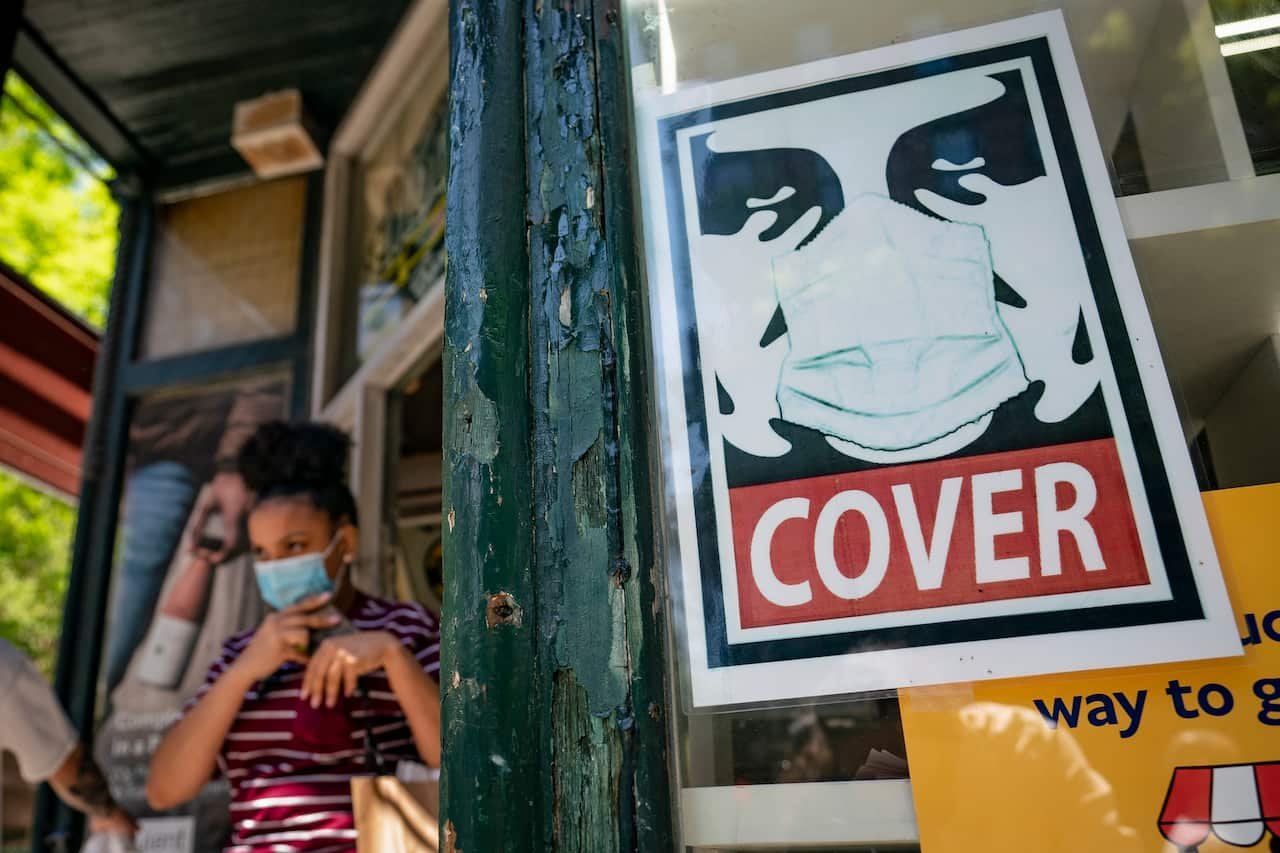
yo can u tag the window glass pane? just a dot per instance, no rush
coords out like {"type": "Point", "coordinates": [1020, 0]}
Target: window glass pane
{"type": "Point", "coordinates": [1186, 133]}
{"type": "Point", "coordinates": [397, 253]}
{"type": "Point", "coordinates": [224, 269]}
{"type": "Point", "coordinates": [1153, 70]}
{"type": "Point", "coordinates": [1249, 31]}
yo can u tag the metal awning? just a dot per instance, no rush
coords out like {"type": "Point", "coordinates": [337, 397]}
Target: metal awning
{"type": "Point", "coordinates": [46, 382]}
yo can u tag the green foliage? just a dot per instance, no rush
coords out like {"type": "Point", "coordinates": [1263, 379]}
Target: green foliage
{"type": "Point", "coordinates": [57, 216]}
{"type": "Point", "coordinates": [35, 554]}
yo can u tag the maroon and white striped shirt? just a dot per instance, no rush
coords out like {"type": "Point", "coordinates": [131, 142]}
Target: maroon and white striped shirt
{"type": "Point", "coordinates": [290, 766]}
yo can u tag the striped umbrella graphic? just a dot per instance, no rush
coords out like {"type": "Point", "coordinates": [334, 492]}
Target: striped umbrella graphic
{"type": "Point", "coordinates": [1238, 803]}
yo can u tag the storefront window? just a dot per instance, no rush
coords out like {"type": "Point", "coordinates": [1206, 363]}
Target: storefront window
{"type": "Point", "coordinates": [1175, 107]}
{"type": "Point", "coordinates": [225, 269]}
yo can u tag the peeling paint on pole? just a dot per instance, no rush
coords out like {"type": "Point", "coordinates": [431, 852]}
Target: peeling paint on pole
{"type": "Point", "coordinates": [585, 604]}
{"type": "Point", "coordinates": [475, 421]}
{"type": "Point", "coordinates": [646, 776]}
{"type": "Point", "coordinates": [486, 702]}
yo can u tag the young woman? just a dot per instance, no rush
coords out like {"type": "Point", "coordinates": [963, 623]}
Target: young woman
{"type": "Point", "coordinates": [284, 712]}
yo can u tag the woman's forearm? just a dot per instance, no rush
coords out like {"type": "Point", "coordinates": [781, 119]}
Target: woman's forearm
{"type": "Point", "coordinates": [80, 784]}
{"type": "Point", "coordinates": [188, 754]}
{"type": "Point", "coordinates": [187, 599]}
{"type": "Point", "coordinates": [419, 698]}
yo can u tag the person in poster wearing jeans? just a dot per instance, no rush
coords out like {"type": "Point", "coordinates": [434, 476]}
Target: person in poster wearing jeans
{"type": "Point", "coordinates": [177, 445]}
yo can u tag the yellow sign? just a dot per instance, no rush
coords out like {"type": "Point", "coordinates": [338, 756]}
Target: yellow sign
{"type": "Point", "coordinates": [1146, 759]}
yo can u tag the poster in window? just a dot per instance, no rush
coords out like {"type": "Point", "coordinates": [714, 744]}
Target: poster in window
{"type": "Point", "coordinates": [917, 427]}
{"type": "Point", "coordinates": [182, 584]}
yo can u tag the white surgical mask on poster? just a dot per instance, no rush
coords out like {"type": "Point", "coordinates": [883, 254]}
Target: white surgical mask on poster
{"type": "Point", "coordinates": [895, 340]}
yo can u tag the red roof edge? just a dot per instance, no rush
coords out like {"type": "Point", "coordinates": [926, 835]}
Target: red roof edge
{"type": "Point", "coordinates": [47, 358]}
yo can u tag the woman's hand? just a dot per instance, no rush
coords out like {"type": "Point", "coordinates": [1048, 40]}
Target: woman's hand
{"type": "Point", "coordinates": [284, 636]}
{"type": "Point", "coordinates": [340, 661]}
{"type": "Point", "coordinates": [117, 822]}
{"type": "Point", "coordinates": [228, 494]}
{"type": "Point", "coordinates": [188, 754]}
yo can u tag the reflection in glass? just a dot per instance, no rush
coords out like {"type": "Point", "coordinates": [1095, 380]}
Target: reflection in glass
{"type": "Point", "coordinates": [1249, 36]}
{"type": "Point", "coordinates": [399, 222]}
{"type": "Point", "coordinates": [1153, 70]}
{"type": "Point", "coordinates": [812, 743]}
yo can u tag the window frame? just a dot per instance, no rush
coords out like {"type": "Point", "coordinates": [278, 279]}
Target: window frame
{"type": "Point", "coordinates": [882, 812]}
{"type": "Point", "coordinates": [416, 61]}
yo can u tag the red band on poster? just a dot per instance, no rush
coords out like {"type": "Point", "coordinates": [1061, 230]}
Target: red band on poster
{"type": "Point", "coordinates": [958, 531]}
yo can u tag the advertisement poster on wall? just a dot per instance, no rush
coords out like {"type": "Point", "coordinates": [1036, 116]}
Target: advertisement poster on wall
{"type": "Point", "coordinates": [1143, 760]}
{"type": "Point", "coordinates": [183, 582]}
{"type": "Point", "coordinates": [916, 425]}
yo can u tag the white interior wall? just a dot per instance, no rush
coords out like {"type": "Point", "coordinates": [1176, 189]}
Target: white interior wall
{"type": "Point", "coordinates": [1244, 428]}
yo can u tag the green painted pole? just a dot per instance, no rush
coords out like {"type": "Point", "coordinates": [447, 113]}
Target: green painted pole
{"type": "Point", "coordinates": [492, 769]}
{"type": "Point", "coordinates": [554, 700]}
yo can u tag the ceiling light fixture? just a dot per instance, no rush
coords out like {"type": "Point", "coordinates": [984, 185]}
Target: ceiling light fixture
{"type": "Point", "coordinates": [1248, 25]}
{"type": "Point", "coordinates": [1235, 48]}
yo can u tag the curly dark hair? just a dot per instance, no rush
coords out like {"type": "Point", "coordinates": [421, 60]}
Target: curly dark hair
{"type": "Point", "coordinates": [300, 460]}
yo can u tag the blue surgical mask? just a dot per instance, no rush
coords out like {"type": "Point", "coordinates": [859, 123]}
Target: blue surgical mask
{"type": "Point", "coordinates": [283, 583]}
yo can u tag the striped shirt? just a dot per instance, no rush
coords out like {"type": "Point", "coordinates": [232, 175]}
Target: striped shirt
{"type": "Point", "coordinates": [290, 765]}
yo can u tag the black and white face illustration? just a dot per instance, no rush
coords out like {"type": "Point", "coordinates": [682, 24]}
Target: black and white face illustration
{"type": "Point", "coordinates": [886, 271]}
